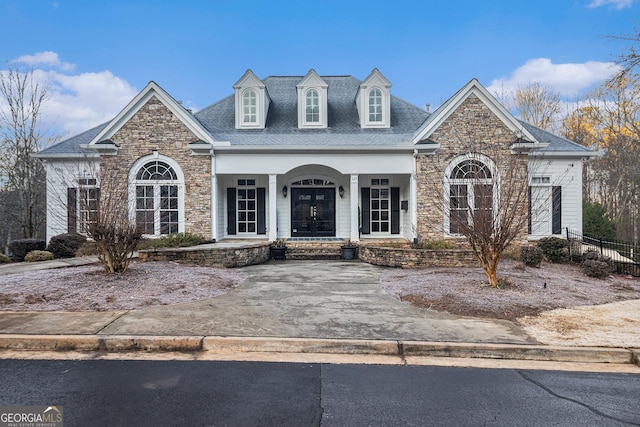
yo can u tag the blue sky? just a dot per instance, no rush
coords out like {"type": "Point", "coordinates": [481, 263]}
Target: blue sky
{"type": "Point", "coordinates": [98, 55]}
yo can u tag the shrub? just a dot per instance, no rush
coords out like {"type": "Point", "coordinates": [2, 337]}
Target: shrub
{"type": "Point", "coordinates": [438, 245]}
{"type": "Point", "coordinates": [35, 256]}
{"type": "Point", "coordinates": [20, 248]}
{"type": "Point", "coordinates": [531, 256]}
{"type": "Point", "coordinates": [4, 259]}
{"type": "Point", "coordinates": [555, 249]}
{"type": "Point", "coordinates": [178, 240]}
{"type": "Point", "coordinates": [66, 245]}
{"type": "Point", "coordinates": [595, 268]}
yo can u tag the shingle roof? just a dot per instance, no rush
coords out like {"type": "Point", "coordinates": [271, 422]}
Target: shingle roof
{"type": "Point", "coordinates": [281, 128]}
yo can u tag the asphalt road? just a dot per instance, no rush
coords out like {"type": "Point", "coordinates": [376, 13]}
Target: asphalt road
{"type": "Point", "coordinates": [199, 393]}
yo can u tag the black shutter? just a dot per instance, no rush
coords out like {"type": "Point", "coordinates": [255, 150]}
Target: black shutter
{"type": "Point", "coordinates": [72, 210]}
{"type": "Point", "coordinates": [262, 217]}
{"type": "Point", "coordinates": [530, 227]}
{"type": "Point", "coordinates": [395, 210]}
{"type": "Point", "coordinates": [231, 211]}
{"type": "Point", "coordinates": [366, 210]}
{"type": "Point", "coordinates": [556, 209]}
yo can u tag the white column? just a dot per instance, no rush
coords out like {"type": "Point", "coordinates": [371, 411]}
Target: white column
{"type": "Point", "coordinates": [353, 197]}
{"type": "Point", "coordinates": [214, 199]}
{"type": "Point", "coordinates": [273, 219]}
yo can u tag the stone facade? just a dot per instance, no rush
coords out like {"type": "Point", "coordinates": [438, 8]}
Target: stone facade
{"type": "Point", "coordinates": [471, 128]}
{"type": "Point", "coordinates": [211, 257]}
{"type": "Point", "coordinates": [155, 128]}
{"type": "Point", "coordinates": [412, 258]}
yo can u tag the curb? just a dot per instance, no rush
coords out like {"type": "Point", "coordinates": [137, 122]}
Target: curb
{"type": "Point", "coordinates": [214, 344]}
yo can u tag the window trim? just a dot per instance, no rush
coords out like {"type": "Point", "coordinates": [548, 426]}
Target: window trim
{"type": "Point", "coordinates": [246, 96]}
{"type": "Point", "coordinates": [470, 183]}
{"type": "Point", "coordinates": [380, 107]}
{"type": "Point", "coordinates": [134, 182]}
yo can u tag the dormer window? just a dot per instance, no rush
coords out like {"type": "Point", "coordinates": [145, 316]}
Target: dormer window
{"type": "Point", "coordinates": [251, 101]}
{"type": "Point", "coordinates": [374, 101]}
{"type": "Point", "coordinates": [312, 102]}
{"type": "Point", "coordinates": [312, 106]}
{"type": "Point", "coordinates": [375, 105]}
{"type": "Point", "coordinates": [249, 114]}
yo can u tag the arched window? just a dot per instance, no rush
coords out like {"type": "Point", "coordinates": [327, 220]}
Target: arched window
{"type": "Point", "coordinates": [312, 104]}
{"type": "Point", "coordinates": [249, 108]}
{"type": "Point", "coordinates": [471, 195]}
{"type": "Point", "coordinates": [375, 105]}
{"type": "Point", "coordinates": [157, 196]}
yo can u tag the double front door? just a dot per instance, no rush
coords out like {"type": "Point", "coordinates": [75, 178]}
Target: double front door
{"type": "Point", "coordinates": [313, 212]}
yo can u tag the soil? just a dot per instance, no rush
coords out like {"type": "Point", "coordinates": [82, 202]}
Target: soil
{"type": "Point", "coordinates": [555, 303]}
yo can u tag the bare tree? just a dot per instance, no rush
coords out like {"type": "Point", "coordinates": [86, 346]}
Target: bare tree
{"type": "Point", "coordinates": [96, 203]}
{"type": "Point", "coordinates": [631, 59]}
{"type": "Point", "coordinates": [483, 198]}
{"type": "Point", "coordinates": [20, 113]}
{"type": "Point", "coordinates": [538, 105]}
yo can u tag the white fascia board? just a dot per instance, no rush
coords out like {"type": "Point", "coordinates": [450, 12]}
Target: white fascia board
{"type": "Point", "coordinates": [152, 89]}
{"type": "Point", "coordinates": [474, 87]}
{"type": "Point", "coordinates": [314, 148]}
{"type": "Point", "coordinates": [569, 154]}
{"type": "Point", "coordinates": [62, 156]}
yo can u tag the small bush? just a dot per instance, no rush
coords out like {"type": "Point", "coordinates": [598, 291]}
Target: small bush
{"type": "Point", "coordinates": [435, 245]}
{"type": "Point", "coordinates": [35, 256]}
{"type": "Point", "coordinates": [20, 248]}
{"type": "Point", "coordinates": [531, 256]}
{"type": "Point", "coordinates": [595, 268]}
{"type": "Point", "coordinates": [178, 240]}
{"type": "Point", "coordinates": [4, 259]}
{"type": "Point", "coordinates": [66, 245]}
{"type": "Point", "coordinates": [555, 249]}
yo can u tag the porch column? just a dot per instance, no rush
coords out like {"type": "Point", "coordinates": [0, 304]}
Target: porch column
{"type": "Point", "coordinates": [273, 219]}
{"type": "Point", "coordinates": [214, 200]}
{"type": "Point", "coordinates": [353, 198]}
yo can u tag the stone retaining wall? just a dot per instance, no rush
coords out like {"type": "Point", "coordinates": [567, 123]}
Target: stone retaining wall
{"type": "Point", "coordinates": [410, 258]}
{"type": "Point", "coordinates": [211, 257]}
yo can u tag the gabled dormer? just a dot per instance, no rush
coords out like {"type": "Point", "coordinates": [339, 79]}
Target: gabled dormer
{"type": "Point", "coordinates": [251, 101]}
{"type": "Point", "coordinates": [374, 101]}
{"type": "Point", "coordinates": [312, 102]}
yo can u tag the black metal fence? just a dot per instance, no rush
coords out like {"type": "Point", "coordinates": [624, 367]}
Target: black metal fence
{"type": "Point", "coordinates": [625, 257]}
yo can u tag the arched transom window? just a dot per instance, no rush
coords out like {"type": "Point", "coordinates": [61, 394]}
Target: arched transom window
{"type": "Point", "coordinates": [471, 196]}
{"type": "Point", "coordinates": [157, 198]}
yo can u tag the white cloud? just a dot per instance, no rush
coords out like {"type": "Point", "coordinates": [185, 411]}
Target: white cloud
{"type": "Point", "coordinates": [76, 101]}
{"type": "Point", "coordinates": [46, 58]}
{"type": "Point", "coordinates": [568, 80]}
{"type": "Point", "coordinates": [618, 4]}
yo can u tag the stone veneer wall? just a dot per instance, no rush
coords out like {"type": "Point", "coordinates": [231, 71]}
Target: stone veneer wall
{"type": "Point", "coordinates": [410, 258]}
{"type": "Point", "coordinates": [471, 128]}
{"type": "Point", "coordinates": [211, 257]}
{"type": "Point", "coordinates": [155, 128]}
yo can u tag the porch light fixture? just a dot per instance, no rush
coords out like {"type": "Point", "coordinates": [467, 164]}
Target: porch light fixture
{"type": "Point", "coordinates": [341, 191]}
{"type": "Point", "coordinates": [285, 190]}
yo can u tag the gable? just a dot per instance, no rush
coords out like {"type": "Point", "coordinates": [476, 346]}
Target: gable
{"type": "Point", "coordinates": [477, 91]}
{"type": "Point", "coordinates": [151, 92]}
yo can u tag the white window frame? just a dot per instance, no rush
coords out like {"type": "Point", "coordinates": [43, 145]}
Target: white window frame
{"type": "Point", "coordinates": [541, 205]}
{"type": "Point", "coordinates": [246, 185]}
{"type": "Point", "coordinates": [378, 107]}
{"type": "Point", "coordinates": [157, 185]}
{"type": "Point", "coordinates": [380, 184]}
{"type": "Point", "coordinates": [249, 107]}
{"type": "Point", "coordinates": [312, 106]}
{"type": "Point", "coordinates": [448, 181]}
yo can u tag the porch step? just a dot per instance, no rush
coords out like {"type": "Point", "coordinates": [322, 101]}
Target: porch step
{"type": "Point", "coordinates": [313, 250]}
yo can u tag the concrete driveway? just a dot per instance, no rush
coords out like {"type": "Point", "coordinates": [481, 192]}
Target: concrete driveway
{"type": "Point", "coordinates": [312, 299]}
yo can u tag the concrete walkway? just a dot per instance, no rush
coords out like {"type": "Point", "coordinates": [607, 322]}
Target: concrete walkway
{"type": "Point", "coordinates": [304, 306]}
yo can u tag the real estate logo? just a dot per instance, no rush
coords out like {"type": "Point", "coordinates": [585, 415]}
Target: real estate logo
{"type": "Point", "coordinates": [31, 416]}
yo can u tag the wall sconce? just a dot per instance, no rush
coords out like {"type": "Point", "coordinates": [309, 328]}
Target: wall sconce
{"type": "Point", "coordinates": [285, 190]}
{"type": "Point", "coordinates": [341, 191]}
